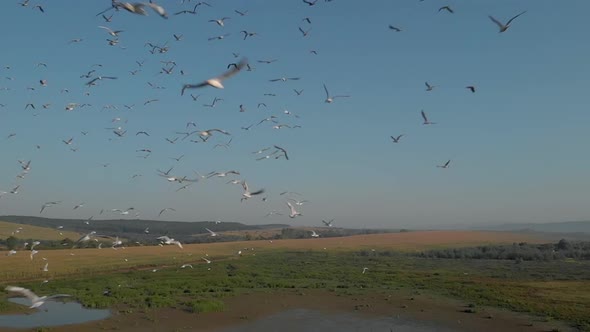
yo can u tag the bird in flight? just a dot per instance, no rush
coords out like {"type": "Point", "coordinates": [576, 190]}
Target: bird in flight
{"type": "Point", "coordinates": [36, 301]}
{"type": "Point", "coordinates": [429, 87]}
{"type": "Point", "coordinates": [396, 29]}
{"type": "Point", "coordinates": [220, 21]}
{"type": "Point", "coordinates": [211, 232]}
{"type": "Point", "coordinates": [328, 223]}
{"type": "Point", "coordinates": [426, 121]}
{"type": "Point", "coordinates": [471, 88]}
{"type": "Point", "coordinates": [504, 27]}
{"type": "Point", "coordinates": [447, 8]}
{"type": "Point", "coordinates": [293, 213]}
{"type": "Point", "coordinates": [396, 139]}
{"type": "Point", "coordinates": [330, 99]}
{"type": "Point", "coordinates": [247, 194]}
{"type": "Point", "coordinates": [445, 165]}
{"type": "Point", "coordinates": [216, 81]}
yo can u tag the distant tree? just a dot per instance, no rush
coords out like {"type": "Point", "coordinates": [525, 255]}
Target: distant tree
{"type": "Point", "coordinates": [564, 244]}
{"type": "Point", "coordinates": [11, 242]}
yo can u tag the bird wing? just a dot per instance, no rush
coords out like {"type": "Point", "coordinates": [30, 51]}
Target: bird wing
{"type": "Point", "coordinates": [25, 292]}
{"type": "Point", "coordinates": [57, 296]}
{"type": "Point", "coordinates": [424, 116]}
{"type": "Point", "coordinates": [210, 231]}
{"type": "Point", "coordinates": [327, 93]}
{"type": "Point", "coordinates": [498, 23]}
{"type": "Point", "coordinates": [512, 19]}
{"type": "Point", "coordinates": [235, 69]}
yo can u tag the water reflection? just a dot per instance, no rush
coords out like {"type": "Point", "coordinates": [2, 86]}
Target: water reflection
{"type": "Point", "coordinates": [52, 313]}
{"type": "Point", "coordinates": [298, 320]}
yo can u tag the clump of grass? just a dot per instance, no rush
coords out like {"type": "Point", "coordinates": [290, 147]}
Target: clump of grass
{"type": "Point", "coordinates": [202, 306]}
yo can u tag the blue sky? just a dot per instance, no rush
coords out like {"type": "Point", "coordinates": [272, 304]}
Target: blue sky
{"type": "Point", "coordinates": [517, 145]}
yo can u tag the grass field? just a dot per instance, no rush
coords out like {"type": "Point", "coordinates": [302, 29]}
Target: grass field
{"type": "Point", "coordinates": [551, 290]}
{"type": "Point", "coordinates": [34, 232]}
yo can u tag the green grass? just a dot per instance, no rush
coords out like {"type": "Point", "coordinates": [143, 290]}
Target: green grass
{"type": "Point", "coordinates": [556, 289]}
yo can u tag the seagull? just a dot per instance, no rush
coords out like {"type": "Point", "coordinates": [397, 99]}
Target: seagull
{"type": "Point", "coordinates": [247, 194]}
{"type": "Point", "coordinates": [446, 165]}
{"type": "Point", "coordinates": [283, 151]}
{"type": "Point", "coordinates": [222, 174]}
{"type": "Point", "coordinates": [328, 223]}
{"type": "Point", "coordinates": [248, 34]}
{"type": "Point", "coordinates": [365, 269]}
{"type": "Point", "coordinates": [330, 99]}
{"type": "Point", "coordinates": [212, 232]}
{"type": "Point", "coordinates": [396, 29]}
{"type": "Point", "coordinates": [208, 133]}
{"type": "Point", "coordinates": [186, 265]}
{"type": "Point", "coordinates": [396, 139]}
{"type": "Point", "coordinates": [426, 121]}
{"type": "Point", "coordinates": [36, 301]}
{"type": "Point", "coordinates": [158, 9]}
{"type": "Point", "coordinates": [164, 210]}
{"type": "Point", "coordinates": [305, 33]}
{"type": "Point", "coordinates": [218, 37]}
{"type": "Point", "coordinates": [206, 260]}
{"type": "Point", "coordinates": [284, 79]}
{"type": "Point", "coordinates": [314, 234]}
{"type": "Point", "coordinates": [47, 205]}
{"type": "Point", "coordinates": [471, 88]}
{"type": "Point", "coordinates": [241, 13]}
{"type": "Point", "coordinates": [220, 21]}
{"type": "Point", "coordinates": [147, 230]}
{"type": "Point", "coordinates": [78, 206]}
{"type": "Point", "coordinates": [91, 82]}
{"type": "Point", "coordinates": [447, 8]}
{"type": "Point", "coordinates": [45, 268]}
{"type": "Point", "coordinates": [216, 81]}
{"type": "Point", "coordinates": [114, 33]}
{"type": "Point", "coordinates": [293, 212]}
{"type": "Point", "coordinates": [504, 27]}
{"type": "Point", "coordinates": [298, 92]}
{"type": "Point", "coordinates": [168, 240]}
{"type": "Point", "coordinates": [429, 87]}
{"type": "Point", "coordinates": [311, 3]}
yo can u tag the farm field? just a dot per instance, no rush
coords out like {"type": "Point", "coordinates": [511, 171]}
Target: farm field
{"type": "Point", "coordinates": [68, 262]}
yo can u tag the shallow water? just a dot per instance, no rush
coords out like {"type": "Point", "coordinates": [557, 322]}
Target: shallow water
{"type": "Point", "coordinates": [298, 320]}
{"type": "Point", "coordinates": [52, 313]}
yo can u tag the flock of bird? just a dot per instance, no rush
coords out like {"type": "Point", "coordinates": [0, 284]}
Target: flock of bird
{"type": "Point", "coordinates": [93, 79]}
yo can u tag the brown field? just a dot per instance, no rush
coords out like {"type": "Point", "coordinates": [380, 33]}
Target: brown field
{"type": "Point", "coordinates": [65, 262]}
{"type": "Point", "coordinates": [34, 232]}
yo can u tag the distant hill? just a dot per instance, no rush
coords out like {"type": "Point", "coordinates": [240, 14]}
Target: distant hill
{"type": "Point", "coordinates": [133, 229]}
{"type": "Point", "coordinates": [33, 232]}
{"type": "Point", "coordinates": [553, 227]}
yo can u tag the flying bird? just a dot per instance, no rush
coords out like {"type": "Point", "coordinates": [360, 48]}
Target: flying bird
{"type": "Point", "coordinates": [426, 121]}
{"type": "Point", "coordinates": [471, 88]}
{"type": "Point", "coordinates": [504, 27]}
{"type": "Point", "coordinates": [330, 99]}
{"type": "Point", "coordinates": [36, 301]}
{"type": "Point", "coordinates": [293, 213]}
{"type": "Point", "coordinates": [445, 165]}
{"type": "Point", "coordinates": [447, 8]}
{"type": "Point", "coordinates": [211, 232]}
{"type": "Point", "coordinates": [396, 139]}
{"type": "Point", "coordinates": [216, 81]}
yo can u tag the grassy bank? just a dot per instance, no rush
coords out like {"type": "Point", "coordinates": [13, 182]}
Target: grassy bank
{"type": "Point", "coordinates": [553, 290]}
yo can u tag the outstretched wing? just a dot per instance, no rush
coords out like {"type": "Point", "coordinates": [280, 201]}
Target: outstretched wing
{"type": "Point", "coordinates": [235, 69]}
{"type": "Point", "coordinates": [512, 19]}
{"type": "Point", "coordinates": [23, 291]}
{"type": "Point", "coordinates": [498, 23]}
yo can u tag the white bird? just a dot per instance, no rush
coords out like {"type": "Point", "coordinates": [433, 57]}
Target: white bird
{"type": "Point", "coordinates": [11, 252]}
{"type": "Point", "coordinates": [206, 260]}
{"type": "Point", "coordinates": [36, 301]}
{"type": "Point", "coordinates": [168, 240]}
{"type": "Point", "coordinates": [365, 269]}
{"type": "Point", "coordinates": [314, 234]}
{"type": "Point", "coordinates": [293, 213]}
{"type": "Point", "coordinates": [33, 253]}
{"type": "Point", "coordinates": [330, 99]}
{"type": "Point", "coordinates": [216, 82]}
{"type": "Point", "coordinates": [220, 21]}
{"type": "Point", "coordinates": [45, 268]}
{"type": "Point", "coordinates": [186, 265]}
{"type": "Point", "coordinates": [429, 87]}
{"type": "Point", "coordinates": [504, 27]}
{"type": "Point", "coordinates": [247, 194]}
{"type": "Point", "coordinates": [210, 231]}
{"type": "Point", "coordinates": [114, 33]}
{"type": "Point", "coordinates": [164, 210]}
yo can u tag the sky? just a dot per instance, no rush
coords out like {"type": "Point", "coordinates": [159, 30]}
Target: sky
{"type": "Point", "coordinates": [517, 145]}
